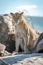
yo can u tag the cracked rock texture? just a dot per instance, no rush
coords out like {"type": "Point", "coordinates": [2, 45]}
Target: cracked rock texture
{"type": "Point", "coordinates": [23, 59]}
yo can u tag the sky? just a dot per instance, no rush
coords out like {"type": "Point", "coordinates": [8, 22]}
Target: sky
{"type": "Point", "coordinates": [30, 7]}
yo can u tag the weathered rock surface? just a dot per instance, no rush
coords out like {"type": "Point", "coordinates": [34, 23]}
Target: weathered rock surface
{"type": "Point", "coordinates": [23, 59]}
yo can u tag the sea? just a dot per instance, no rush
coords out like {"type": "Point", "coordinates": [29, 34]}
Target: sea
{"type": "Point", "coordinates": [36, 22]}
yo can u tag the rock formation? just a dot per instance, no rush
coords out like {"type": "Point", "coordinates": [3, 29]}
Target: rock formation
{"type": "Point", "coordinates": [2, 48]}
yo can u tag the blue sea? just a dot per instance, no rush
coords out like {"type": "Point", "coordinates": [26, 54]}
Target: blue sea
{"type": "Point", "coordinates": [36, 22]}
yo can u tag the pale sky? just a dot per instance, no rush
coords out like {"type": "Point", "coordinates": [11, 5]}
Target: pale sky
{"type": "Point", "coordinates": [31, 7]}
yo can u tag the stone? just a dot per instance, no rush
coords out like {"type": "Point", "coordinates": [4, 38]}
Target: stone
{"type": "Point", "coordinates": [2, 49]}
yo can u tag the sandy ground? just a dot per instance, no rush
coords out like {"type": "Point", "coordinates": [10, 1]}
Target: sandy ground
{"type": "Point", "coordinates": [23, 59]}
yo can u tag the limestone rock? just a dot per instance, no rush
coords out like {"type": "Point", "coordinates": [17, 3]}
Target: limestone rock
{"type": "Point", "coordinates": [2, 49]}
{"type": "Point", "coordinates": [23, 59]}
